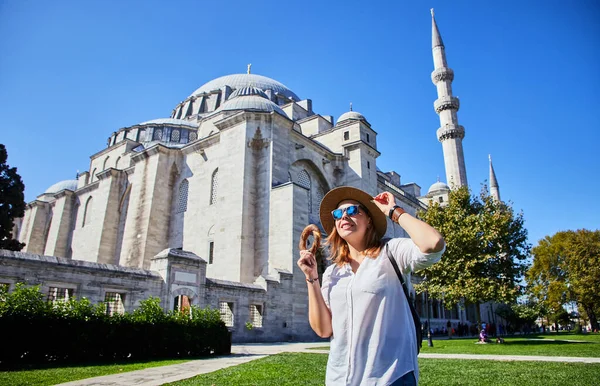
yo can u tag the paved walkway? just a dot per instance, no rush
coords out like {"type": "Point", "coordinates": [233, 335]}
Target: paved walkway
{"type": "Point", "coordinates": [242, 353]}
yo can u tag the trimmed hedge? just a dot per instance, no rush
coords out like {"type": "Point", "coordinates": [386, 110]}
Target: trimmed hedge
{"type": "Point", "coordinates": [77, 331]}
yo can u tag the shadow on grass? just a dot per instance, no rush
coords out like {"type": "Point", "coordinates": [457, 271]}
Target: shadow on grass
{"type": "Point", "coordinates": [67, 365]}
{"type": "Point", "coordinates": [542, 342]}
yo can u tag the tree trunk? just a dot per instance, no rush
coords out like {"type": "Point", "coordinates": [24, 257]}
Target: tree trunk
{"type": "Point", "coordinates": [478, 312]}
{"type": "Point", "coordinates": [592, 315]}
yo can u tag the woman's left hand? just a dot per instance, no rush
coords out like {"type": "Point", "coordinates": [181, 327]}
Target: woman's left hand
{"type": "Point", "coordinates": [385, 201]}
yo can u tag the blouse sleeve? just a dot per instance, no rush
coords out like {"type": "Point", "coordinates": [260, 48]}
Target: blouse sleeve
{"type": "Point", "coordinates": [409, 257]}
{"type": "Point", "coordinates": [326, 284]}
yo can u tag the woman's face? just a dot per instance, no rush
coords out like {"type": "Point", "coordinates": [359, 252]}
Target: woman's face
{"type": "Point", "coordinates": [352, 227]}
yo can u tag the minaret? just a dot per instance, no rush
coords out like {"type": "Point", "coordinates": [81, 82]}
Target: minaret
{"type": "Point", "coordinates": [494, 188]}
{"type": "Point", "coordinates": [450, 133]}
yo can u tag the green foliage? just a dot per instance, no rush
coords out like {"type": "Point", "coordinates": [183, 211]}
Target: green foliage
{"type": "Point", "coordinates": [150, 311]}
{"type": "Point", "coordinates": [78, 331]}
{"type": "Point", "coordinates": [566, 268]}
{"type": "Point", "coordinates": [561, 317]}
{"type": "Point", "coordinates": [486, 244]}
{"type": "Point", "coordinates": [12, 202]}
{"type": "Point", "coordinates": [518, 316]}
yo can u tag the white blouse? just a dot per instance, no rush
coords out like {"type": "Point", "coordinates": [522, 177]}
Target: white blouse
{"type": "Point", "coordinates": [373, 341]}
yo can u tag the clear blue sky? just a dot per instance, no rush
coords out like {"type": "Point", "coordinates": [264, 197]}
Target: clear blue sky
{"type": "Point", "coordinates": [73, 72]}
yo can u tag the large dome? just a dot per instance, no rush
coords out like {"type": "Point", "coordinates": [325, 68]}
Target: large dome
{"type": "Point", "coordinates": [236, 81]}
{"type": "Point", "coordinates": [62, 185]}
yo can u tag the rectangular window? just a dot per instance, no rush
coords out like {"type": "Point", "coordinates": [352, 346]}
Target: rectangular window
{"type": "Point", "coordinates": [211, 251]}
{"type": "Point", "coordinates": [368, 138]}
{"type": "Point", "coordinates": [226, 309]}
{"type": "Point", "coordinates": [256, 315]}
{"type": "Point", "coordinates": [346, 135]}
{"type": "Point", "coordinates": [114, 303]}
{"type": "Point", "coordinates": [56, 294]}
{"type": "Point", "coordinates": [368, 165]}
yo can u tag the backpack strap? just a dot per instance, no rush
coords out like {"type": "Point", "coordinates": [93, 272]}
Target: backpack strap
{"type": "Point", "coordinates": [395, 265]}
{"type": "Point", "coordinates": [415, 316]}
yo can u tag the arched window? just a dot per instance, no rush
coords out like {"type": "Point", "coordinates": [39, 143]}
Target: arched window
{"type": "Point", "coordinates": [182, 197]}
{"type": "Point", "coordinates": [214, 185]}
{"type": "Point", "coordinates": [175, 135]}
{"type": "Point", "coordinates": [117, 162]}
{"type": "Point", "coordinates": [304, 181]}
{"type": "Point", "coordinates": [87, 212]}
{"type": "Point", "coordinates": [192, 136]}
{"type": "Point", "coordinates": [181, 303]}
{"type": "Point", "coordinates": [93, 175]}
{"type": "Point", "coordinates": [105, 163]}
{"type": "Point", "coordinates": [157, 134]}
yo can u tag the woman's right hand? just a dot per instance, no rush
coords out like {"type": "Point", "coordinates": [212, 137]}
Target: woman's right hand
{"type": "Point", "coordinates": [308, 264]}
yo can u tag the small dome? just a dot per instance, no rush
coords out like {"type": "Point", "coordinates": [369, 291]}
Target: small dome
{"type": "Point", "coordinates": [62, 185]}
{"type": "Point", "coordinates": [170, 122]}
{"type": "Point", "coordinates": [237, 81]}
{"type": "Point", "coordinates": [352, 115]}
{"type": "Point", "coordinates": [251, 103]}
{"type": "Point", "coordinates": [438, 186]}
{"type": "Point", "coordinates": [246, 91]}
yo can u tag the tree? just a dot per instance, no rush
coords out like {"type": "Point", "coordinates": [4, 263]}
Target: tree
{"type": "Point", "coordinates": [566, 268]}
{"type": "Point", "coordinates": [518, 315]}
{"type": "Point", "coordinates": [486, 244]}
{"type": "Point", "coordinates": [12, 202]}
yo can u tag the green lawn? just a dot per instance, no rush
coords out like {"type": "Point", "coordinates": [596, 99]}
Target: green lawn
{"type": "Point", "coordinates": [299, 369]}
{"type": "Point", "coordinates": [309, 369]}
{"type": "Point", "coordinates": [53, 376]}
{"type": "Point", "coordinates": [550, 345]}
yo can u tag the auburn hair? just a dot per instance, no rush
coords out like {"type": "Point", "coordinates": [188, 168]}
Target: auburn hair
{"type": "Point", "coordinates": [339, 252]}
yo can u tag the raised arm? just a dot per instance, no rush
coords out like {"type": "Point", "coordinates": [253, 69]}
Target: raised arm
{"type": "Point", "coordinates": [422, 234]}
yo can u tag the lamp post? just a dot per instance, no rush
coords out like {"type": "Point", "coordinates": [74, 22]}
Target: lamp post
{"type": "Point", "coordinates": [429, 341]}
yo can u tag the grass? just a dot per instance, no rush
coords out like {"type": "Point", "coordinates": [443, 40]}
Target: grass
{"type": "Point", "coordinates": [309, 369]}
{"type": "Point", "coordinates": [291, 369]}
{"type": "Point", "coordinates": [546, 345]}
{"type": "Point", "coordinates": [53, 376]}
{"type": "Point", "coordinates": [436, 372]}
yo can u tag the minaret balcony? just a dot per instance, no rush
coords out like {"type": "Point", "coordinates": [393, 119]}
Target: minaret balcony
{"type": "Point", "coordinates": [442, 74]}
{"type": "Point", "coordinates": [446, 103]}
{"type": "Point", "coordinates": [450, 132]}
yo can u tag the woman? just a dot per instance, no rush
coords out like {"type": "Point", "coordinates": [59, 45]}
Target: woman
{"type": "Point", "coordinates": [361, 304]}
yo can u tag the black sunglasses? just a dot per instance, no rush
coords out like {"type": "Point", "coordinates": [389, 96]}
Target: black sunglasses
{"type": "Point", "coordinates": [351, 210]}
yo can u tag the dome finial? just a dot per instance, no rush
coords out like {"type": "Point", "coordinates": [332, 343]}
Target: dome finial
{"type": "Point", "coordinates": [438, 180]}
{"type": "Point", "coordinates": [350, 106]}
{"type": "Point", "coordinates": [249, 67]}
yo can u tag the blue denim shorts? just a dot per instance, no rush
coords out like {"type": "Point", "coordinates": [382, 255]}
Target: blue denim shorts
{"type": "Point", "coordinates": [407, 379]}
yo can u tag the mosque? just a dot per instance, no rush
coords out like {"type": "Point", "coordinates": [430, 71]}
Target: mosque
{"type": "Point", "coordinates": [205, 207]}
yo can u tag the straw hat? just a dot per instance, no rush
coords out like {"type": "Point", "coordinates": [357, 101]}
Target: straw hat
{"type": "Point", "coordinates": [333, 198]}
